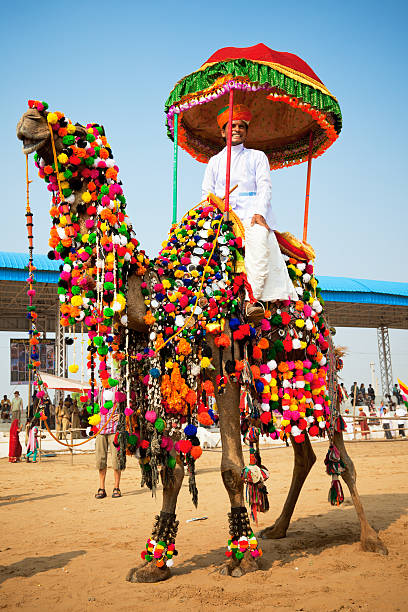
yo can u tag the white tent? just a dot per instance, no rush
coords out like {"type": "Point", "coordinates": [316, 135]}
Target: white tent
{"type": "Point", "coordinates": [65, 384]}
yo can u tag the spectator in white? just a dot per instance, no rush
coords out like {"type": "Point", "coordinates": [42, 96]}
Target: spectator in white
{"type": "Point", "coordinates": [401, 411]}
{"type": "Point", "coordinates": [349, 424]}
{"type": "Point", "coordinates": [16, 406]}
{"type": "Point", "coordinates": [104, 441]}
{"type": "Point", "coordinates": [251, 202]}
{"type": "Point", "coordinates": [386, 423]}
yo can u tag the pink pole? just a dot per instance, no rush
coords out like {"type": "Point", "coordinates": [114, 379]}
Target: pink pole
{"type": "Point", "coordinates": [229, 143]}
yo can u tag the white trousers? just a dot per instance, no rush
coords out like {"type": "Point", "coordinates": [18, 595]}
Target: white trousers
{"type": "Point", "coordinates": [265, 267]}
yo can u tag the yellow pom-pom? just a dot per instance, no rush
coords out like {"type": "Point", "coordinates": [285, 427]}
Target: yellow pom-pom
{"type": "Point", "coordinates": [52, 118]}
{"type": "Point", "coordinates": [62, 158]}
{"type": "Point", "coordinates": [76, 300]}
{"type": "Point", "coordinates": [73, 368]}
{"type": "Point", "coordinates": [71, 128]}
{"type": "Point", "coordinates": [95, 419]}
{"type": "Point", "coordinates": [86, 196]}
{"type": "Point", "coordinates": [104, 227]}
{"type": "Point", "coordinates": [85, 238]}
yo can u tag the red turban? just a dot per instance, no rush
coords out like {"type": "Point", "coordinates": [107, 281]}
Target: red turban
{"type": "Point", "coordinates": [240, 112]}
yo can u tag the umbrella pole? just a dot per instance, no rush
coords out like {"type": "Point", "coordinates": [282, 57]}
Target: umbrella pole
{"type": "Point", "coordinates": [309, 171]}
{"type": "Point", "coordinates": [175, 164]}
{"type": "Point", "coordinates": [229, 143]}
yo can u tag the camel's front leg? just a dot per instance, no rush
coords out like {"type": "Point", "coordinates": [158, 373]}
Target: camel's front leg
{"type": "Point", "coordinates": [232, 464]}
{"type": "Point", "coordinates": [165, 531]}
{"type": "Point", "coordinates": [304, 460]}
{"type": "Point", "coordinates": [370, 540]}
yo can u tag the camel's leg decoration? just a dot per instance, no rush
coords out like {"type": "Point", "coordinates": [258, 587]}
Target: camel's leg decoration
{"type": "Point", "coordinates": [304, 461]}
{"type": "Point", "coordinates": [160, 547]}
{"type": "Point", "coordinates": [370, 540]}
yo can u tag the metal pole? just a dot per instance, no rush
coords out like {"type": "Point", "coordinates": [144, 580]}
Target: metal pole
{"type": "Point", "coordinates": [229, 144]}
{"type": "Point", "coordinates": [354, 413]}
{"type": "Point", "coordinates": [309, 171]}
{"type": "Point", "coordinates": [175, 168]}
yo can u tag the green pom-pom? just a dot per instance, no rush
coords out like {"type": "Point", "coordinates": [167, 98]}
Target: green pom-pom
{"type": "Point", "coordinates": [239, 554]}
{"type": "Point", "coordinates": [69, 139]}
{"type": "Point", "coordinates": [108, 405]}
{"type": "Point", "coordinates": [171, 462]}
{"type": "Point", "coordinates": [98, 341]}
{"type": "Point", "coordinates": [159, 424]}
{"type": "Point", "coordinates": [108, 312]}
{"type": "Point", "coordinates": [112, 382]}
{"type": "Point", "coordinates": [102, 350]}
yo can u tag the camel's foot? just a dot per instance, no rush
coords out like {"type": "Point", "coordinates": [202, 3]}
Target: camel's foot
{"type": "Point", "coordinates": [275, 532]}
{"type": "Point", "coordinates": [148, 573]}
{"type": "Point", "coordinates": [236, 568]}
{"type": "Point", "coordinates": [371, 542]}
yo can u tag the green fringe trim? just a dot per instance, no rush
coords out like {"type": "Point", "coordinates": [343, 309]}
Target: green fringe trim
{"type": "Point", "coordinates": [257, 73]}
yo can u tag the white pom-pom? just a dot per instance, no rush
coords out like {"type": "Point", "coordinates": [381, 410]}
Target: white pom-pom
{"type": "Point", "coordinates": [108, 395]}
{"type": "Point", "coordinates": [306, 278]}
{"type": "Point", "coordinates": [308, 324]}
{"type": "Point", "coordinates": [169, 562]}
{"type": "Point", "coordinates": [272, 365]}
{"type": "Point", "coordinates": [124, 319]}
{"type": "Point", "coordinates": [322, 424]}
{"type": "Point", "coordinates": [66, 268]}
{"type": "Point", "coordinates": [116, 306]}
{"type": "Point", "coordinates": [296, 343]}
{"type": "Point", "coordinates": [286, 384]}
{"type": "Point", "coordinates": [195, 370]}
{"type": "Point", "coordinates": [295, 431]}
{"type": "Point", "coordinates": [323, 360]}
{"type": "Point", "coordinates": [301, 266]}
{"type": "Point", "coordinates": [265, 407]}
{"type": "Point", "coordinates": [70, 199]}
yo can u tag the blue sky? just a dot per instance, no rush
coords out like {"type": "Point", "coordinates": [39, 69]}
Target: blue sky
{"type": "Point", "coordinates": [115, 63]}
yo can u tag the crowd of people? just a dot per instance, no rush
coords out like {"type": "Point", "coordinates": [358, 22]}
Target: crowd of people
{"type": "Point", "coordinates": [388, 414]}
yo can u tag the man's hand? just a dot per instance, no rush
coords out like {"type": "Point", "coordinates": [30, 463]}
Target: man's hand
{"type": "Point", "coordinates": [260, 220]}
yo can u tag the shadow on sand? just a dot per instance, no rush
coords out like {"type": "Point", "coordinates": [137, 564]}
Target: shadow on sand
{"type": "Point", "coordinates": [14, 499]}
{"type": "Point", "coordinates": [312, 534]}
{"type": "Point", "coordinates": [34, 565]}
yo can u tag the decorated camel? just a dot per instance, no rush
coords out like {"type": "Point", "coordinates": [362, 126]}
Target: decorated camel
{"type": "Point", "coordinates": [176, 325]}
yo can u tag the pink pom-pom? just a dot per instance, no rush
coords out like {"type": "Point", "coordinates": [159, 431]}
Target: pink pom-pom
{"type": "Point", "coordinates": [40, 394]}
{"type": "Point", "coordinates": [128, 411]}
{"type": "Point", "coordinates": [103, 410]}
{"type": "Point", "coordinates": [65, 276]}
{"type": "Point", "coordinates": [120, 396]}
{"type": "Point", "coordinates": [84, 256]}
{"type": "Point", "coordinates": [265, 325]}
{"type": "Point", "coordinates": [151, 416]}
{"type": "Point", "coordinates": [31, 292]}
{"type": "Point", "coordinates": [264, 368]}
{"type": "Point", "coordinates": [146, 379]}
{"type": "Point", "coordinates": [89, 223]}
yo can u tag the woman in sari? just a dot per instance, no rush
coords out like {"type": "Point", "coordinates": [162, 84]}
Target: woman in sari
{"type": "Point", "coordinates": [15, 449]}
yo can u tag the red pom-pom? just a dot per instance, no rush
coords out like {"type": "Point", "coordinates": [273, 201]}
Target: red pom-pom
{"type": "Point", "coordinates": [185, 446]}
{"type": "Point", "coordinates": [266, 417]}
{"type": "Point", "coordinates": [313, 430]}
{"type": "Point", "coordinates": [285, 318]}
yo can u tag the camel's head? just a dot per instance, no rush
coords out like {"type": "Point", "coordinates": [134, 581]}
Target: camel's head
{"type": "Point", "coordinates": [33, 130]}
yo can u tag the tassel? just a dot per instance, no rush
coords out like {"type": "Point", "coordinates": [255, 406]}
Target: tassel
{"type": "Point", "coordinates": [336, 495]}
{"type": "Point", "coordinates": [254, 476]}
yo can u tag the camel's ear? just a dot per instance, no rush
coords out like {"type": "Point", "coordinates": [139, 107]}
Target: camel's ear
{"type": "Point", "coordinates": [80, 130]}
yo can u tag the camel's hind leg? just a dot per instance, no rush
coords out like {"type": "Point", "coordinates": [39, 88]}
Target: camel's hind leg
{"type": "Point", "coordinates": [370, 540]}
{"type": "Point", "coordinates": [164, 529]}
{"type": "Point", "coordinates": [304, 460]}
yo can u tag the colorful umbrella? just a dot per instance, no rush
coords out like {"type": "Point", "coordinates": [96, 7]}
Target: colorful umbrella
{"type": "Point", "coordinates": [294, 116]}
{"type": "Point", "coordinates": [287, 99]}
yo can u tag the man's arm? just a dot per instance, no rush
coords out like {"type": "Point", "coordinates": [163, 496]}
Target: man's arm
{"type": "Point", "coordinates": [263, 189]}
{"type": "Point", "coordinates": [208, 180]}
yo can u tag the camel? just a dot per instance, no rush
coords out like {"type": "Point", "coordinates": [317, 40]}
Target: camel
{"type": "Point", "coordinates": [34, 131]}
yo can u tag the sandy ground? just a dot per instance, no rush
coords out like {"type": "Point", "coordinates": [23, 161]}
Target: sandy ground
{"type": "Point", "coordinates": [61, 549]}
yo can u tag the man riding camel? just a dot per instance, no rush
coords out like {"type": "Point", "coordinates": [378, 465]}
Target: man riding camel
{"type": "Point", "coordinates": [251, 202]}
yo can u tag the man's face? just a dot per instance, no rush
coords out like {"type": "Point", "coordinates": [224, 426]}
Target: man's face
{"type": "Point", "coordinates": [239, 132]}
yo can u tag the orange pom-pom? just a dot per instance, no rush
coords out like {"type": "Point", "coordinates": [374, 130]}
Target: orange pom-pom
{"type": "Point", "coordinates": [263, 343]}
{"type": "Point", "coordinates": [196, 452]}
{"type": "Point", "coordinates": [256, 353]}
{"type": "Point", "coordinates": [205, 419]}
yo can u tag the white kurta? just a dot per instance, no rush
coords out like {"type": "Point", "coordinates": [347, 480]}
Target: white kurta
{"type": "Point", "coordinates": [266, 270]}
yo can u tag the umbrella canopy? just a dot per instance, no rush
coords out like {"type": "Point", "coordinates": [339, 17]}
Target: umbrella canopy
{"type": "Point", "coordinates": [287, 99]}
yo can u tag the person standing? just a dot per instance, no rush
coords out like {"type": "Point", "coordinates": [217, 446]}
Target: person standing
{"type": "Point", "coordinates": [66, 417]}
{"type": "Point", "coordinates": [15, 449]}
{"type": "Point", "coordinates": [353, 390]}
{"type": "Point", "coordinates": [104, 442]}
{"type": "Point", "coordinates": [58, 419]}
{"type": "Point", "coordinates": [365, 430]}
{"type": "Point", "coordinates": [16, 406]}
{"type": "Point", "coordinates": [75, 420]}
{"type": "Point", "coordinates": [362, 390]}
{"type": "Point", "coordinates": [401, 412]}
{"type": "Point", "coordinates": [386, 425]}
{"type": "Point", "coordinates": [32, 446]}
